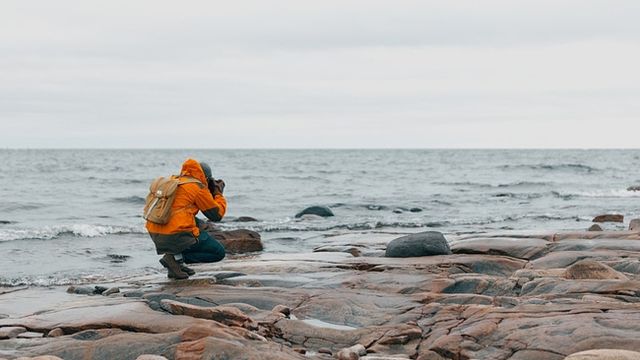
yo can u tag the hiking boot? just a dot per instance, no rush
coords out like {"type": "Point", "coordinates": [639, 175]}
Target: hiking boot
{"type": "Point", "coordinates": [186, 269]}
{"type": "Point", "coordinates": [173, 268]}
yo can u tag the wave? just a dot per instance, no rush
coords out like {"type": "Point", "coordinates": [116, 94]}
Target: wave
{"type": "Point", "coordinates": [139, 200]}
{"type": "Point", "coordinates": [79, 230]}
{"type": "Point", "coordinates": [17, 206]}
{"type": "Point", "coordinates": [298, 226]}
{"type": "Point", "coordinates": [486, 185]}
{"type": "Point", "coordinates": [617, 193]}
{"type": "Point", "coordinates": [562, 167]}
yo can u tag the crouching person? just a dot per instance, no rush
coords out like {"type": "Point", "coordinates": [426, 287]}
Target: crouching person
{"type": "Point", "coordinates": [170, 211]}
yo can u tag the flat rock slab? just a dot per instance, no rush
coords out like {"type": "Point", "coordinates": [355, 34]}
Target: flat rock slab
{"type": "Point", "coordinates": [514, 247]}
{"type": "Point", "coordinates": [135, 315]}
{"type": "Point", "coordinates": [605, 354]}
{"type": "Point", "coordinates": [10, 332]}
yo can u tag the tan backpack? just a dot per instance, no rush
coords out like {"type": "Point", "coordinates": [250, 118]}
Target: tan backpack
{"type": "Point", "coordinates": [162, 193]}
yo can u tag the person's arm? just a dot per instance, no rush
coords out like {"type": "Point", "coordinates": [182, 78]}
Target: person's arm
{"type": "Point", "coordinates": [212, 204]}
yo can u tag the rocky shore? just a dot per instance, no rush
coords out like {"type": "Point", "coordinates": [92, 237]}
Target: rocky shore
{"type": "Point", "coordinates": [511, 295]}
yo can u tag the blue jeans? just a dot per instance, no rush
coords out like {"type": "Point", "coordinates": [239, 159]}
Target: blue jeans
{"type": "Point", "coordinates": [207, 250]}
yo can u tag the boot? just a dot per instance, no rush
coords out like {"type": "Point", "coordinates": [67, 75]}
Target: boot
{"type": "Point", "coordinates": [173, 268]}
{"type": "Point", "coordinates": [186, 269]}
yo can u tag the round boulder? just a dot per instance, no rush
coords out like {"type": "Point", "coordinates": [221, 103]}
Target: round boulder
{"type": "Point", "coordinates": [604, 354]}
{"type": "Point", "coordinates": [316, 210]}
{"type": "Point", "coordinates": [421, 244]}
{"type": "Point", "coordinates": [591, 269]}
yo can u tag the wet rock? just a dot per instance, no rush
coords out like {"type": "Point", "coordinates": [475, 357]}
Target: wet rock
{"type": "Point", "coordinates": [605, 354]}
{"type": "Point", "coordinates": [590, 269]}
{"type": "Point", "coordinates": [316, 210]}
{"type": "Point", "coordinates": [282, 309]}
{"type": "Point", "coordinates": [595, 227]}
{"type": "Point", "coordinates": [353, 250]}
{"type": "Point", "coordinates": [245, 219]}
{"type": "Point", "coordinates": [55, 332]}
{"type": "Point", "coordinates": [99, 289]}
{"type": "Point", "coordinates": [609, 218]}
{"type": "Point", "coordinates": [421, 244]}
{"type": "Point", "coordinates": [133, 294]}
{"type": "Point", "coordinates": [513, 247]}
{"type": "Point", "coordinates": [415, 210]}
{"type": "Point", "coordinates": [634, 225]}
{"type": "Point", "coordinates": [398, 211]}
{"type": "Point", "coordinates": [10, 332]}
{"type": "Point", "coordinates": [223, 314]}
{"type": "Point", "coordinates": [238, 241]}
{"type": "Point", "coordinates": [634, 188]}
{"type": "Point", "coordinates": [81, 290]}
{"type": "Point", "coordinates": [109, 291]}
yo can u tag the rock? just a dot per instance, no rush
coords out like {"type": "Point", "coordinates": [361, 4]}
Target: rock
{"type": "Point", "coordinates": [150, 357]}
{"type": "Point", "coordinates": [415, 210]}
{"type": "Point", "coordinates": [30, 335]}
{"type": "Point", "coordinates": [245, 219]}
{"type": "Point", "coordinates": [347, 354]}
{"type": "Point", "coordinates": [398, 211]}
{"type": "Point", "coordinates": [223, 314]}
{"type": "Point", "coordinates": [605, 354]}
{"type": "Point", "coordinates": [99, 289]}
{"type": "Point", "coordinates": [355, 251]}
{"type": "Point", "coordinates": [325, 351]}
{"type": "Point", "coordinates": [609, 218]}
{"type": "Point", "coordinates": [590, 269]}
{"type": "Point", "coordinates": [282, 309]}
{"type": "Point", "coordinates": [316, 210]}
{"type": "Point", "coordinates": [634, 225]}
{"type": "Point", "coordinates": [42, 357]}
{"type": "Point", "coordinates": [300, 350]}
{"type": "Point", "coordinates": [513, 247]}
{"type": "Point", "coordinates": [311, 217]}
{"type": "Point", "coordinates": [133, 294]}
{"type": "Point", "coordinates": [634, 188]}
{"type": "Point", "coordinates": [55, 332]}
{"type": "Point", "coordinates": [109, 291]}
{"type": "Point", "coordinates": [595, 227]}
{"type": "Point", "coordinates": [238, 241]}
{"type": "Point", "coordinates": [11, 331]}
{"type": "Point", "coordinates": [421, 244]}
{"type": "Point", "coordinates": [81, 290]}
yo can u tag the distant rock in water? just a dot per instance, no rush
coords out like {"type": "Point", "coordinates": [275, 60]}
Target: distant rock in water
{"type": "Point", "coordinates": [634, 188]}
{"type": "Point", "coordinates": [609, 218]}
{"type": "Point", "coordinates": [316, 210]}
{"type": "Point", "coordinates": [245, 219]}
{"type": "Point", "coordinates": [421, 244]}
{"type": "Point", "coordinates": [415, 210]}
{"type": "Point", "coordinates": [634, 225]}
{"type": "Point", "coordinates": [595, 227]}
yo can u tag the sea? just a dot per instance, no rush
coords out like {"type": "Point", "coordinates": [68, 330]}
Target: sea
{"type": "Point", "coordinates": [75, 216]}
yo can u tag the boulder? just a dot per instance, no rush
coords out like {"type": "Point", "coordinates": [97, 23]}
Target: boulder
{"type": "Point", "coordinates": [609, 218]}
{"type": "Point", "coordinates": [591, 269]}
{"type": "Point", "coordinates": [595, 227]}
{"type": "Point", "coordinates": [605, 354]}
{"type": "Point", "coordinates": [634, 225]}
{"type": "Point", "coordinates": [316, 210]}
{"type": "Point", "coordinates": [11, 332]}
{"type": "Point", "coordinates": [421, 244]}
{"type": "Point", "coordinates": [238, 241]}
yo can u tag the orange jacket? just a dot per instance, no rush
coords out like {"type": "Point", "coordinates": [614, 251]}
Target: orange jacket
{"type": "Point", "coordinates": [190, 198]}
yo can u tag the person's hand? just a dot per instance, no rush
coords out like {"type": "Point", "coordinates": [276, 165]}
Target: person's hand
{"type": "Point", "coordinates": [219, 185]}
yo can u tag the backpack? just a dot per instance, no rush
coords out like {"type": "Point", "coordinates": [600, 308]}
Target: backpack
{"type": "Point", "coordinates": [162, 193]}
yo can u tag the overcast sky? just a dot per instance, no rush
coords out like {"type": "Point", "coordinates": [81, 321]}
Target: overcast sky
{"type": "Point", "coordinates": [345, 74]}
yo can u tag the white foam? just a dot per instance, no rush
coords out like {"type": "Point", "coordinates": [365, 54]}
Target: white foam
{"type": "Point", "coordinates": [80, 230]}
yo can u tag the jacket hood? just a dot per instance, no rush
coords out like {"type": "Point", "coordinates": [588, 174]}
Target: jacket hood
{"type": "Point", "coordinates": [192, 168]}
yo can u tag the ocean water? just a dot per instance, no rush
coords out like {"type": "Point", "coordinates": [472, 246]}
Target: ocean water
{"type": "Point", "coordinates": [72, 216]}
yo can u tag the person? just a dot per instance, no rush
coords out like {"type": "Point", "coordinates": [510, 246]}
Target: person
{"type": "Point", "coordinates": [180, 240]}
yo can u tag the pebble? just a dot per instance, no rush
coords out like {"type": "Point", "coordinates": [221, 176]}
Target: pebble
{"type": "Point", "coordinates": [55, 332]}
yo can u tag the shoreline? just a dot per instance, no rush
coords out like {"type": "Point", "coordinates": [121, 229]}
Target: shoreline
{"type": "Point", "coordinates": [503, 295]}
